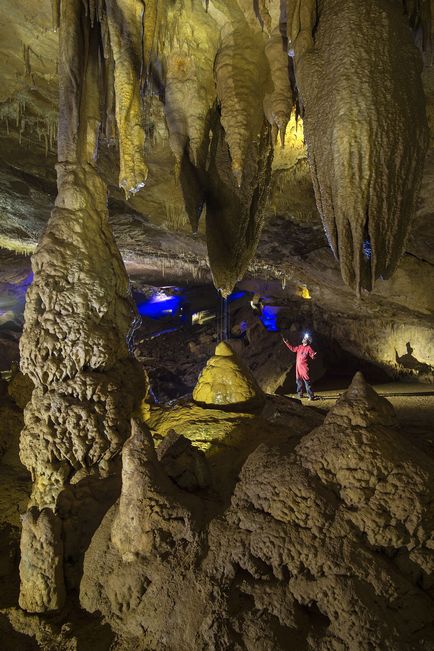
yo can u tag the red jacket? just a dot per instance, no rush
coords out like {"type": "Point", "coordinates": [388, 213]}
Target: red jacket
{"type": "Point", "coordinates": [302, 360]}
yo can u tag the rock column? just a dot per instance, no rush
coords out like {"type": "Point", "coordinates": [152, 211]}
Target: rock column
{"type": "Point", "coordinates": [77, 320]}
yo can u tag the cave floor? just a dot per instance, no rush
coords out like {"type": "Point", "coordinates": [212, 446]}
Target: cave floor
{"type": "Point", "coordinates": [413, 404]}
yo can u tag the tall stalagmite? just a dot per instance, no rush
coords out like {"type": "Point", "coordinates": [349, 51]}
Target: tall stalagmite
{"type": "Point", "coordinates": [78, 315]}
{"type": "Point", "coordinates": [358, 74]}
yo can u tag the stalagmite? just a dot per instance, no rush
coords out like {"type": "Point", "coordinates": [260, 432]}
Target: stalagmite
{"type": "Point", "coordinates": [77, 319]}
{"type": "Point", "coordinates": [147, 501]}
{"type": "Point", "coordinates": [42, 571]}
{"type": "Point", "coordinates": [366, 153]}
{"type": "Point", "coordinates": [325, 543]}
{"type": "Point", "coordinates": [226, 381]}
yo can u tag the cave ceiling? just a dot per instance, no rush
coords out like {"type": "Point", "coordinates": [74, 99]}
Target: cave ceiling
{"type": "Point", "coordinates": [224, 58]}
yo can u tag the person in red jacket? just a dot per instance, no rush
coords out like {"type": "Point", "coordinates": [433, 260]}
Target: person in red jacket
{"type": "Point", "coordinates": [303, 353]}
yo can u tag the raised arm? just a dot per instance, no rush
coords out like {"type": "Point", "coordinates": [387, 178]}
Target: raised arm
{"type": "Point", "coordinates": [288, 345]}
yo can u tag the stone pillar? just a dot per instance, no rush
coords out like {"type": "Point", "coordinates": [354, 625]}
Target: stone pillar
{"type": "Point", "coordinates": [78, 317]}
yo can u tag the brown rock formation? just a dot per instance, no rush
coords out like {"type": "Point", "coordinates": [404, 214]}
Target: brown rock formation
{"type": "Point", "coordinates": [366, 152]}
{"type": "Point", "coordinates": [328, 545]}
{"type": "Point", "coordinates": [41, 569]}
{"type": "Point", "coordinates": [77, 320]}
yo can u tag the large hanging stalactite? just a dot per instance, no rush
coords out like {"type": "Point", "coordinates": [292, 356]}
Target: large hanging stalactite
{"type": "Point", "coordinates": [366, 152]}
{"type": "Point", "coordinates": [234, 216]}
{"type": "Point", "coordinates": [239, 73]}
{"type": "Point", "coordinates": [78, 316]}
{"type": "Point", "coordinates": [239, 167]}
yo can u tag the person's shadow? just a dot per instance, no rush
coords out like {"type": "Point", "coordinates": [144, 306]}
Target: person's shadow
{"type": "Point", "coordinates": [409, 361]}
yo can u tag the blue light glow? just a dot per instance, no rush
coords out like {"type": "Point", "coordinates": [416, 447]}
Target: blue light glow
{"type": "Point", "coordinates": [160, 306]}
{"type": "Point", "coordinates": [235, 296]}
{"type": "Point", "coordinates": [367, 249]}
{"type": "Point", "coordinates": [269, 318]}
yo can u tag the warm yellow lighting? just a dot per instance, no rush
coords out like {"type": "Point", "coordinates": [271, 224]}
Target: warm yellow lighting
{"type": "Point", "coordinates": [293, 149]}
{"type": "Point", "coordinates": [12, 244]}
{"type": "Point", "coordinates": [304, 292]}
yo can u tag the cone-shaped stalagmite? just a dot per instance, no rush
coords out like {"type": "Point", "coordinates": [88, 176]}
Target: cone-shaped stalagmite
{"type": "Point", "coordinates": [225, 381]}
{"type": "Point", "coordinates": [358, 73]}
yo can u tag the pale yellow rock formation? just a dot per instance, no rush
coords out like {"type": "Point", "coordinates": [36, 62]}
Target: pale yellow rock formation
{"type": "Point", "coordinates": [366, 153]}
{"type": "Point", "coordinates": [150, 66]}
{"type": "Point", "coordinates": [278, 103]}
{"type": "Point", "coordinates": [41, 567]}
{"type": "Point", "coordinates": [226, 381]}
{"type": "Point", "coordinates": [78, 316]}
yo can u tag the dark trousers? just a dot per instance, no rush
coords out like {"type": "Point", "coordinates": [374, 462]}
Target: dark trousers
{"type": "Point", "coordinates": [306, 383]}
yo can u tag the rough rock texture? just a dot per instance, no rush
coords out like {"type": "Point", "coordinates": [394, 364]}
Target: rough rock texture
{"type": "Point", "coordinates": [74, 345]}
{"type": "Point", "coordinates": [41, 567]}
{"type": "Point", "coordinates": [328, 545]}
{"type": "Point", "coordinates": [278, 103]}
{"type": "Point", "coordinates": [366, 152]}
{"type": "Point", "coordinates": [147, 511]}
{"type": "Point", "coordinates": [183, 462]}
{"type": "Point", "coordinates": [226, 381]}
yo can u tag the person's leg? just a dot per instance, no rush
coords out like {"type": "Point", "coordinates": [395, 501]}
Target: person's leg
{"type": "Point", "coordinates": [309, 389]}
{"type": "Point", "coordinates": [299, 387]}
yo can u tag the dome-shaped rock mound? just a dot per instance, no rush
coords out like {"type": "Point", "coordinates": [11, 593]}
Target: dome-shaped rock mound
{"type": "Point", "coordinates": [225, 381]}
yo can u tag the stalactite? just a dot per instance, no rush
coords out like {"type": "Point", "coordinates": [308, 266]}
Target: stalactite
{"type": "Point", "coordinates": [125, 21]}
{"type": "Point", "coordinates": [239, 71]}
{"type": "Point", "coordinates": [419, 14]}
{"type": "Point", "coordinates": [279, 102]}
{"type": "Point", "coordinates": [366, 153]}
{"type": "Point", "coordinates": [153, 29]}
{"type": "Point", "coordinates": [55, 14]}
{"type": "Point", "coordinates": [263, 15]}
{"type": "Point", "coordinates": [301, 19]}
{"type": "Point", "coordinates": [234, 216]}
{"type": "Point", "coordinates": [187, 104]}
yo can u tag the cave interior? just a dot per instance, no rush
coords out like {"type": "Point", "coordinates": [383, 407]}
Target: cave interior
{"type": "Point", "coordinates": [184, 186]}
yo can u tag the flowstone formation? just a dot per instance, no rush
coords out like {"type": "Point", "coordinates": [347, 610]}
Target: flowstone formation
{"type": "Point", "coordinates": [226, 381]}
{"type": "Point", "coordinates": [328, 544]}
{"type": "Point", "coordinates": [366, 151]}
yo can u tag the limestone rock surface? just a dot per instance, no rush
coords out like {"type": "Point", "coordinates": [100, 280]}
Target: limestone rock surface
{"type": "Point", "coordinates": [226, 381]}
{"type": "Point", "coordinates": [185, 464]}
{"type": "Point", "coordinates": [147, 505]}
{"type": "Point", "coordinates": [41, 565]}
{"type": "Point", "coordinates": [328, 544]}
{"type": "Point", "coordinates": [359, 142]}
